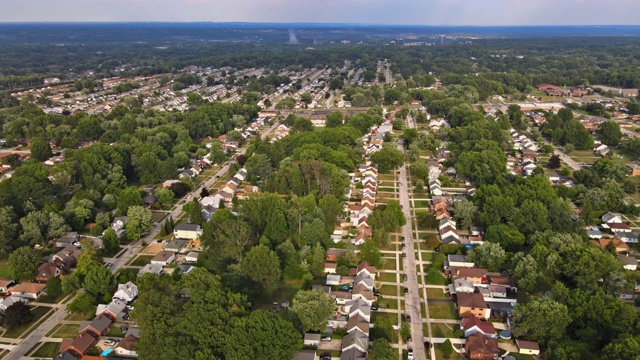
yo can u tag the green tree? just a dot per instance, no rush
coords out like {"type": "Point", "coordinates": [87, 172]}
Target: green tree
{"type": "Point", "coordinates": [24, 263]}
{"type": "Point", "coordinates": [464, 213]}
{"type": "Point", "coordinates": [262, 335]}
{"type": "Point", "coordinates": [624, 348]}
{"type": "Point", "coordinates": [393, 216]}
{"type": "Point", "coordinates": [419, 170]}
{"type": "Point", "coordinates": [130, 196]}
{"type": "Point", "coordinates": [509, 237]}
{"type": "Point", "coordinates": [40, 150]}
{"type": "Point", "coordinates": [70, 283]}
{"type": "Point", "coordinates": [97, 281]}
{"type": "Point", "coordinates": [314, 233]}
{"type": "Point", "coordinates": [259, 165]}
{"type": "Point", "coordinates": [526, 272]}
{"type": "Point", "coordinates": [139, 221]}
{"type": "Point", "coordinates": [111, 240]}
{"type": "Point", "coordinates": [381, 350]}
{"type": "Point", "coordinates": [87, 260]}
{"type": "Point", "coordinates": [54, 287]}
{"type": "Point", "coordinates": [387, 158]}
{"type": "Point", "coordinates": [370, 253]}
{"type": "Point", "coordinates": [17, 314]}
{"type": "Point", "coordinates": [488, 255]}
{"type": "Point", "coordinates": [447, 348]}
{"type": "Point", "coordinates": [554, 162]}
{"type": "Point", "coordinates": [609, 133]}
{"type": "Point", "coordinates": [82, 303]}
{"type": "Point", "coordinates": [334, 119]}
{"type": "Point", "coordinates": [164, 195]}
{"type": "Point", "coordinates": [313, 308]}
{"type": "Point", "coordinates": [317, 260]}
{"type": "Point", "coordinates": [541, 319]}
{"type": "Point", "coordinates": [405, 331]}
{"type": "Point", "coordinates": [262, 266]}
{"type": "Point", "coordinates": [302, 124]}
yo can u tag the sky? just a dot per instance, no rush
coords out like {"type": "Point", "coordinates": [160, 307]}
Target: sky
{"type": "Point", "coordinates": [400, 12]}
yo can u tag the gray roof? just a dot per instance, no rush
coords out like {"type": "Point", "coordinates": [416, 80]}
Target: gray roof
{"type": "Point", "coordinates": [312, 337]}
{"type": "Point", "coordinates": [305, 355]}
{"type": "Point", "coordinates": [100, 323]}
{"type": "Point", "coordinates": [456, 258]}
{"type": "Point", "coordinates": [187, 227]}
{"type": "Point", "coordinates": [176, 244]}
{"type": "Point", "coordinates": [353, 354]}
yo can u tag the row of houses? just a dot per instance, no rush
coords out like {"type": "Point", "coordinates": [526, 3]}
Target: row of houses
{"type": "Point", "coordinates": [353, 306]}
{"type": "Point", "coordinates": [106, 315]}
{"type": "Point", "coordinates": [359, 213]}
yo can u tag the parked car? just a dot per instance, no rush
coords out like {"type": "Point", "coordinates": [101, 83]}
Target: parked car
{"type": "Point", "coordinates": [407, 318]}
{"type": "Point", "coordinates": [374, 308]}
{"type": "Point", "coordinates": [325, 356]}
{"type": "Point", "coordinates": [402, 238]}
{"type": "Point", "coordinates": [404, 245]}
{"type": "Point", "coordinates": [376, 293]}
{"type": "Point", "coordinates": [326, 338]}
{"type": "Point", "coordinates": [405, 277]}
{"type": "Point", "coordinates": [406, 290]}
{"type": "Point", "coordinates": [109, 342]}
{"type": "Point", "coordinates": [410, 353]}
{"type": "Point", "coordinates": [404, 255]}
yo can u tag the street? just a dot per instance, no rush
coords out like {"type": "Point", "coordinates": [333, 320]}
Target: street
{"type": "Point", "coordinates": [412, 300]}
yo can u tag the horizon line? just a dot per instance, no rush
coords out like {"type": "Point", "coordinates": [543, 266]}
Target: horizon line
{"type": "Point", "coordinates": [307, 22]}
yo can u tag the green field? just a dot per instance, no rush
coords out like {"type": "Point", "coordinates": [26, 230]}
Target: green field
{"type": "Point", "coordinates": [66, 331]}
{"type": "Point", "coordinates": [142, 260]}
{"type": "Point", "coordinates": [47, 350]}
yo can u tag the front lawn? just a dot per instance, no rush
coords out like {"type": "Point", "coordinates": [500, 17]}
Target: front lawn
{"type": "Point", "coordinates": [443, 330]}
{"type": "Point", "coordinates": [388, 277]}
{"type": "Point", "coordinates": [66, 331]}
{"type": "Point", "coordinates": [441, 310]}
{"type": "Point", "coordinates": [47, 350]}
{"type": "Point", "coordinates": [142, 260]}
{"type": "Point", "coordinates": [388, 290]}
{"type": "Point", "coordinates": [436, 294]}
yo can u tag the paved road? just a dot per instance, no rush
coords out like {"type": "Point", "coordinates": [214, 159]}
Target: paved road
{"type": "Point", "coordinates": [412, 300]}
{"type": "Point", "coordinates": [37, 335]}
{"type": "Point", "coordinates": [564, 157]}
{"type": "Point", "coordinates": [130, 251]}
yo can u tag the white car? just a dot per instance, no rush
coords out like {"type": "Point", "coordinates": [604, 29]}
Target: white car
{"type": "Point", "coordinates": [109, 342]}
{"type": "Point", "coordinates": [410, 353]}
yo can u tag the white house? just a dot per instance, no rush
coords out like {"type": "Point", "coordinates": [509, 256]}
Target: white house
{"type": "Point", "coordinates": [528, 347]}
{"type": "Point", "coordinates": [610, 217]}
{"type": "Point", "coordinates": [192, 256]}
{"type": "Point", "coordinates": [126, 345]}
{"type": "Point", "coordinates": [187, 231]}
{"type": "Point", "coordinates": [126, 292]}
{"type": "Point", "coordinates": [150, 268]}
{"type": "Point", "coordinates": [164, 258]}
{"type": "Point", "coordinates": [10, 300]}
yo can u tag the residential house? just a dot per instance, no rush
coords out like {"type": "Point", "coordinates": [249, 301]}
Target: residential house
{"type": "Point", "coordinates": [357, 323]}
{"type": "Point", "coordinates": [634, 167]}
{"type": "Point", "coordinates": [480, 347]}
{"type": "Point", "coordinates": [361, 291]}
{"type": "Point", "coordinates": [364, 280]}
{"type": "Point", "coordinates": [330, 268]}
{"type": "Point", "coordinates": [46, 271]}
{"type": "Point", "coordinates": [187, 231]}
{"type": "Point", "coordinates": [66, 258]}
{"type": "Point", "coordinates": [628, 262]}
{"type": "Point", "coordinates": [332, 254]}
{"type": "Point", "coordinates": [443, 223]}
{"type": "Point", "coordinates": [458, 261]}
{"type": "Point", "coordinates": [115, 310]}
{"type": "Point", "coordinates": [118, 225]}
{"type": "Point", "coordinates": [79, 345]}
{"type": "Point", "coordinates": [617, 227]}
{"type": "Point", "coordinates": [473, 304]}
{"type": "Point", "coordinates": [126, 292]}
{"type": "Point", "coordinates": [471, 325]}
{"type": "Point", "coordinates": [4, 284]}
{"type": "Point", "coordinates": [305, 355]}
{"type": "Point", "coordinates": [149, 201]}
{"type": "Point", "coordinates": [192, 256]}
{"type": "Point", "coordinates": [10, 300]}
{"type": "Point", "coordinates": [364, 267]}
{"type": "Point", "coordinates": [28, 290]}
{"type": "Point", "coordinates": [126, 345]}
{"type": "Point", "coordinates": [475, 275]}
{"type": "Point", "coordinates": [353, 354]}
{"type": "Point", "coordinates": [164, 258]}
{"type": "Point", "coordinates": [96, 327]}
{"type": "Point", "coordinates": [355, 340]}
{"type": "Point", "coordinates": [610, 217]}
{"type": "Point", "coordinates": [150, 268]}
{"type": "Point", "coordinates": [628, 237]}
{"type": "Point", "coordinates": [358, 306]}
{"type": "Point", "coordinates": [461, 285]}
{"type": "Point", "coordinates": [175, 245]}
{"type": "Point", "coordinates": [333, 279]}
{"type": "Point", "coordinates": [69, 238]}
{"type": "Point", "coordinates": [528, 347]}
{"type": "Point", "coordinates": [601, 150]}
{"type": "Point", "coordinates": [312, 339]}
{"type": "Point", "coordinates": [619, 245]}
